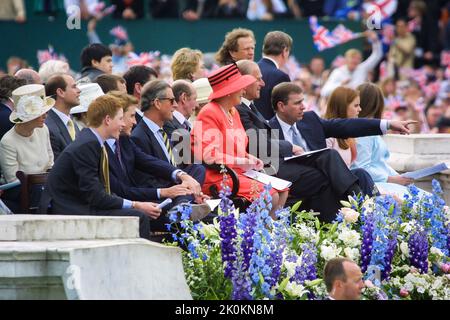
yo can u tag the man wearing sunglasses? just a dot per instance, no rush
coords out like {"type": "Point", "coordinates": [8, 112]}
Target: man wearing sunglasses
{"type": "Point", "coordinates": [158, 103]}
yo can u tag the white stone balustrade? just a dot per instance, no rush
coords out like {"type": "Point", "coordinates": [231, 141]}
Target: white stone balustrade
{"type": "Point", "coordinates": [418, 151]}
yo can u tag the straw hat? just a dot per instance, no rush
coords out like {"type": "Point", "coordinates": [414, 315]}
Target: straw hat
{"type": "Point", "coordinates": [227, 80]}
{"type": "Point", "coordinates": [203, 89]}
{"type": "Point", "coordinates": [89, 92]}
{"type": "Point", "coordinates": [30, 103]}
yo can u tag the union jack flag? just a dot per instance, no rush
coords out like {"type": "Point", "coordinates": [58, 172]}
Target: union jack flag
{"type": "Point", "coordinates": [120, 33]}
{"type": "Point", "coordinates": [143, 59]}
{"type": "Point", "coordinates": [322, 37]}
{"type": "Point", "coordinates": [343, 35]}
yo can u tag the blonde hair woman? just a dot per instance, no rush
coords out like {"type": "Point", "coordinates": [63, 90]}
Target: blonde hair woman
{"type": "Point", "coordinates": [187, 64]}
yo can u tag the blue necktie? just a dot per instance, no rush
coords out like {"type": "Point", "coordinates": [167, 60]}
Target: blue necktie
{"type": "Point", "coordinates": [296, 138]}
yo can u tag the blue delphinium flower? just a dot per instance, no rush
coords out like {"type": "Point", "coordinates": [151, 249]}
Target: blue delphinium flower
{"type": "Point", "coordinates": [418, 250]}
{"type": "Point", "coordinates": [379, 241]}
{"type": "Point", "coordinates": [367, 229]}
{"type": "Point", "coordinates": [228, 232]}
{"type": "Point", "coordinates": [265, 259]}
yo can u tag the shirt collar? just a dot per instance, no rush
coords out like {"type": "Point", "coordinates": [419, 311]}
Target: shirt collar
{"type": "Point", "coordinates": [276, 64]}
{"type": "Point", "coordinates": [151, 125]}
{"type": "Point", "coordinates": [179, 116]}
{"type": "Point", "coordinates": [100, 140]}
{"type": "Point", "coordinates": [64, 118]}
{"type": "Point", "coordinates": [111, 143]}
{"type": "Point", "coordinates": [139, 112]}
{"type": "Point", "coordinates": [285, 126]}
{"type": "Point", "coordinates": [246, 102]}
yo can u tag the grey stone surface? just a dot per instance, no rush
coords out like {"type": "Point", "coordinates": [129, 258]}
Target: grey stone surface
{"type": "Point", "coordinates": [418, 151]}
{"type": "Point", "coordinates": [49, 227]}
{"type": "Point", "coordinates": [97, 268]}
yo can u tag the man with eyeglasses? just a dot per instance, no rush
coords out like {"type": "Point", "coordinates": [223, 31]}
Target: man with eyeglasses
{"type": "Point", "coordinates": [186, 98]}
{"type": "Point", "coordinates": [158, 104]}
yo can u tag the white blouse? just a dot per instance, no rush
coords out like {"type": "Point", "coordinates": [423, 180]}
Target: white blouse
{"type": "Point", "coordinates": [28, 154]}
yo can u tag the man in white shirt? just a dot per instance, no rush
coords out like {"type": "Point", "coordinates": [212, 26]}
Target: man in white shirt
{"type": "Point", "coordinates": [61, 127]}
{"type": "Point", "coordinates": [354, 72]}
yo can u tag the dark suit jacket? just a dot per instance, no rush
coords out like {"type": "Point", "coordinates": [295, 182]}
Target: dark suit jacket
{"type": "Point", "coordinates": [171, 126]}
{"type": "Point", "coordinates": [59, 135]}
{"type": "Point", "coordinates": [250, 120]}
{"type": "Point", "coordinates": [271, 76]}
{"type": "Point", "coordinates": [5, 124]}
{"type": "Point", "coordinates": [316, 130]}
{"type": "Point", "coordinates": [148, 143]}
{"type": "Point", "coordinates": [74, 185]}
{"type": "Point", "coordinates": [123, 183]}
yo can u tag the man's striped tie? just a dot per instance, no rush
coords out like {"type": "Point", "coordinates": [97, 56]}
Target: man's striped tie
{"type": "Point", "coordinates": [168, 147]}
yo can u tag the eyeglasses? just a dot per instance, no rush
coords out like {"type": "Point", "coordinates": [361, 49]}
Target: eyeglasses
{"type": "Point", "coordinates": [172, 100]}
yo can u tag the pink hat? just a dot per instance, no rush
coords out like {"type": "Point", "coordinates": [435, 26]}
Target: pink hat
{"type": "Point", "coordinates": [227, 80]}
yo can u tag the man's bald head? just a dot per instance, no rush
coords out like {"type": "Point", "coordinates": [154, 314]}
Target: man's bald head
{"type": "Point", "coordinates": [29, 75]}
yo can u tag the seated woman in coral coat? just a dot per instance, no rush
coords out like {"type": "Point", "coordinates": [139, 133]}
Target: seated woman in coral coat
{"type": "Point", "coordinates": [219, 137]}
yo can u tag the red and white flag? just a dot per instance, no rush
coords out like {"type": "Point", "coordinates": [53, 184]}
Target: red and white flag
{"type": "Point", "coordinates": [382, 8]}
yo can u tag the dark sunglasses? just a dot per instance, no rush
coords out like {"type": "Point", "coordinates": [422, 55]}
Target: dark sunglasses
{"type": "Point", "coordinates": [172, 100]}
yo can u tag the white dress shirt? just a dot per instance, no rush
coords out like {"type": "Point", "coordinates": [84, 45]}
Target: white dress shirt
{"type": "Point", "coordinates": [287, 132]}
{"type": "Point", "coordinates": [181, 118]}
{"type": "Point", "coordinates": [64, 117]}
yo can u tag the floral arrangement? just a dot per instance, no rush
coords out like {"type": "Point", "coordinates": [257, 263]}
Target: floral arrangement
{"type": "Point", "coordinates": [402, 248]}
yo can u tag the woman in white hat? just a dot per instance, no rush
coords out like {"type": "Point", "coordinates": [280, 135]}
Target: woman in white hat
{"type": "Point", "coordinates": [89, 92]}
{"type": "Point", "coordinates": [26, 147]}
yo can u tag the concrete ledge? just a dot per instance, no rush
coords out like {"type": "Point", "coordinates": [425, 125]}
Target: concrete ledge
{"type": "Point", "coordinates": [52, 228]}
{"type": "Point", "coordinates": [89, 270]}
{"type": "Point", "coordinates": [73, 257]}
{"type": "Point", "coordinates": [418, 151]}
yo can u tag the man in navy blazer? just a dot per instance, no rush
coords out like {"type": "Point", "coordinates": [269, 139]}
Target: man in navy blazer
{"type": "Point", "coordinates": [158, 103]}
{"type": "Point", "coordinates": [276, 49]}
{"type": "Point", "coordinates": [67, 95]}
{"type": "Point", "coordinates": [309, 131]}
{"type": "Point", "coordinates": [78, 183]}
{"type": "Point", "coordinates": [125, 157]}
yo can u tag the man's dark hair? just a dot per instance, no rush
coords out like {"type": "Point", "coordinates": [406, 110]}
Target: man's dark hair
{"type": "Point", "coordinates": [108, 82]}
{"type": "Point", "coordinates": [282, 91]}
{"type": "Point", "coordinates": [334, 270]}
{"type": "Point", "coordinates": [53, 84]}
{"type": "Point", "coordinates": [152, 90]}
{"type": "Point", "coordinates": [275, 42]}
{"type": "Point", "coordinates": [8, 84]}
{"type": "Point", "coordinates": [138, 74]}
{"type": "Point", "coordinates": [179, 87]}
{"type": "Point", "coordinates": [95, 52]}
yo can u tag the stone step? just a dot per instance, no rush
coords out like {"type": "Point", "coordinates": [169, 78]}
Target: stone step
{"type": "Point", "coordinates": [60, 228]}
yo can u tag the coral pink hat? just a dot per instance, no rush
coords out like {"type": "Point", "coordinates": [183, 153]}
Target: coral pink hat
{"type": "Point", "coordinates": [227, 80]}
